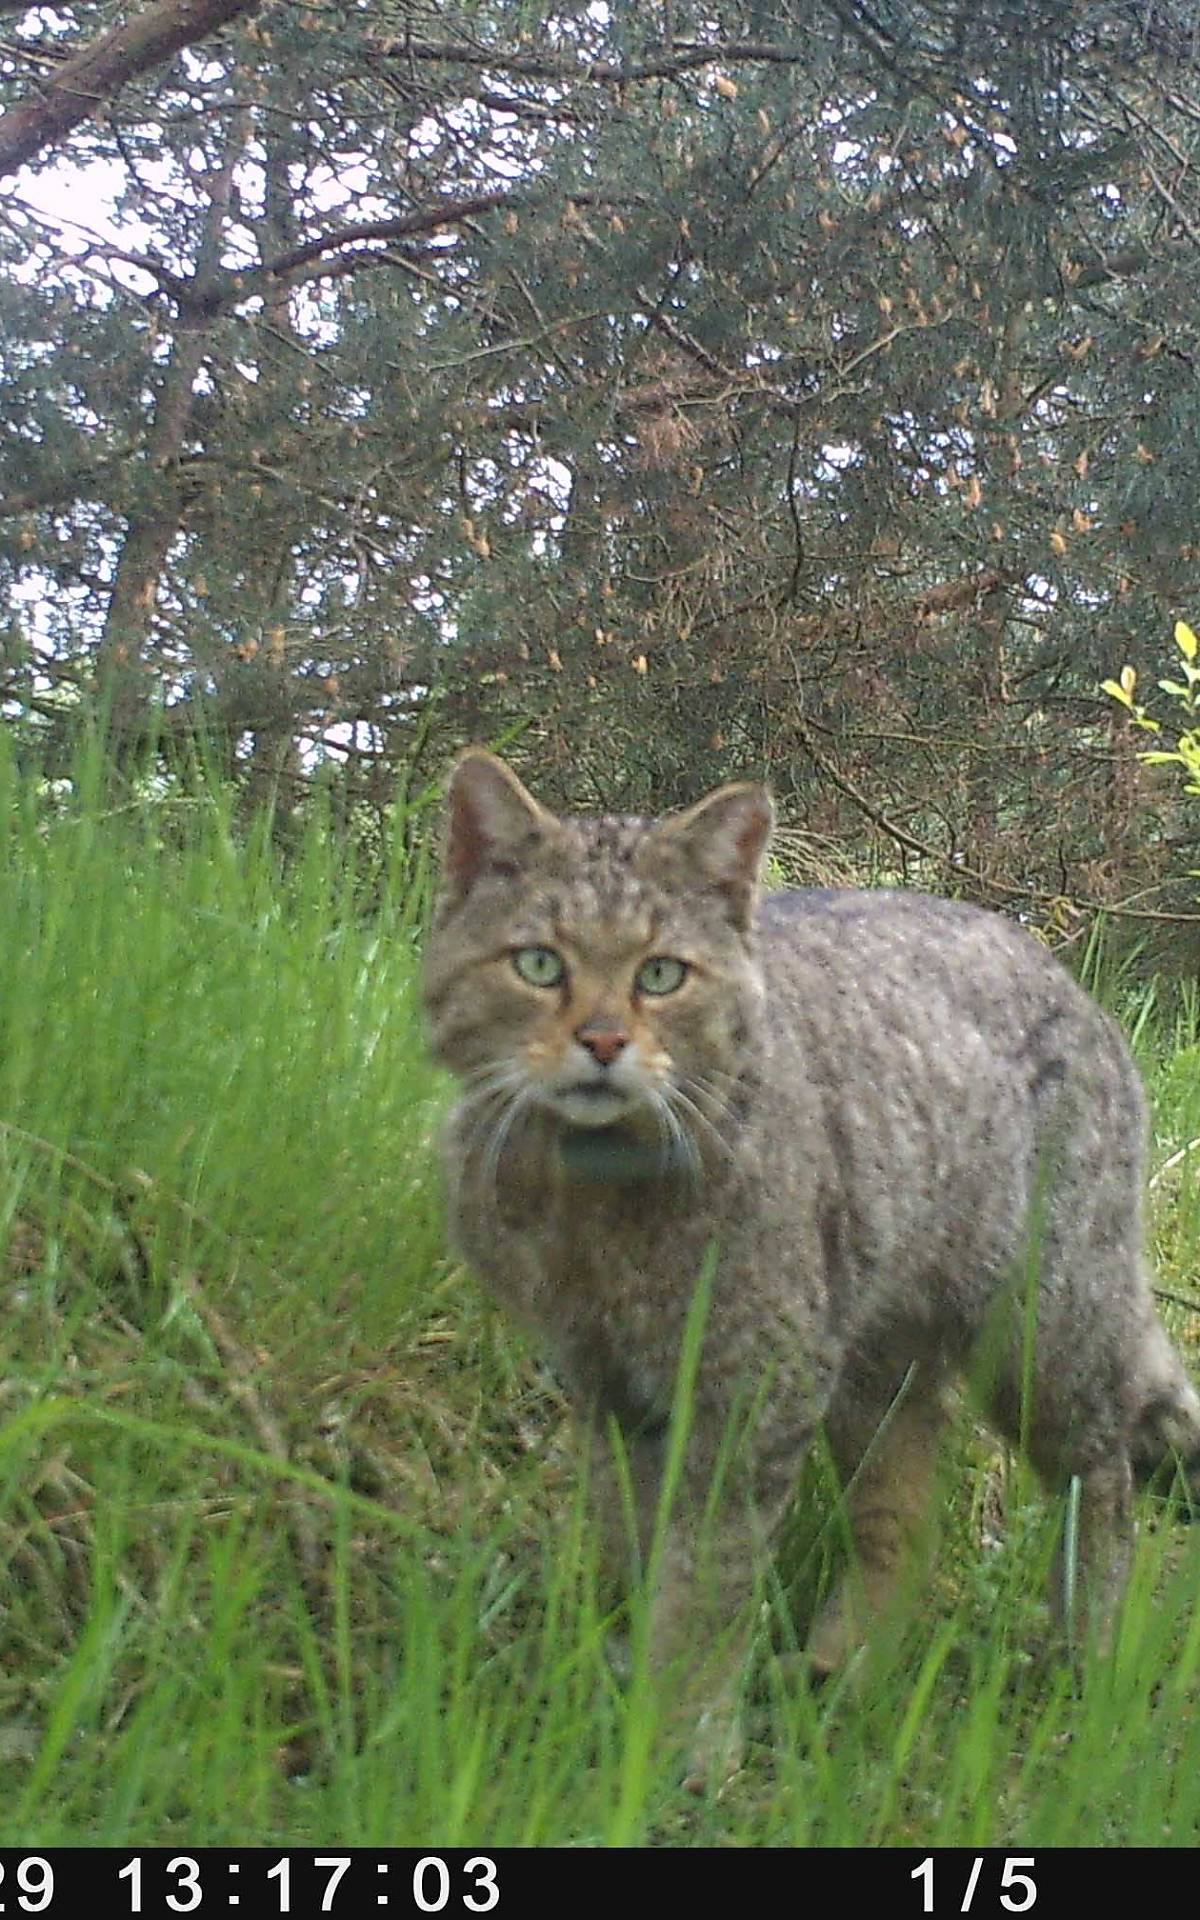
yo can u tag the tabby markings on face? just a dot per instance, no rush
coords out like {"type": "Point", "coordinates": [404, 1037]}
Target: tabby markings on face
{"type": "Point", "coordinates": [596, 1058]}
{"type": "Point", "coordinates": [594, 977]}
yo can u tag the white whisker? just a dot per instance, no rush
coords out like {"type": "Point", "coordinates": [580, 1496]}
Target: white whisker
{"type": "Point", "coordinates": [675, 1092]}
{"type": "Point", "coordinates": [678, 1133]}
{"type": "Point", "coordinates": [492, 1085]}
{"type": "Point", "coordinates": [490, 1172]}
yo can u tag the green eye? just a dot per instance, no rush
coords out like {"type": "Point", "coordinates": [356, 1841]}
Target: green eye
{"type": "Point", "coordinates": [660, 975]}
{"type": "Point", "coordinates": [539, 966]}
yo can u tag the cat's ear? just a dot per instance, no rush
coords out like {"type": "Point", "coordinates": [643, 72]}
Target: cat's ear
{"type": "Point", "coordinates": [492, 823]}
{"type": "Point", "coordinates": [722, 840]}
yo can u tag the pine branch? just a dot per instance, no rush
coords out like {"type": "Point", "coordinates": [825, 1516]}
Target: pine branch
{"type": "Point", "coordinates": [683, 56]}
{"type": "Point", "coordinates": [91, 78]}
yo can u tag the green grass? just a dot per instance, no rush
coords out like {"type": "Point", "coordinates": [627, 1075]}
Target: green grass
{"type": "Point", "coordinates": [295, 1547]}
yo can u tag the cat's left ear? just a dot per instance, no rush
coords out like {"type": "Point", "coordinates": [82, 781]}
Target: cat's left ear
{"type": "Point", "coordinates": [722, 840]}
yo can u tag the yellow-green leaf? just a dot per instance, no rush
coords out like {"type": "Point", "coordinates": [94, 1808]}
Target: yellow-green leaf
{"type": "Point", "coordinates": [1186, 640]}
{"type": "Point", "coordinates": [1117, 692]}
{"type": "Point", "coordinates": [1129, 679]}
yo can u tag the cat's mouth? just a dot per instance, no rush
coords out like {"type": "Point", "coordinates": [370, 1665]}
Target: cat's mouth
{"type": "Point", "coordinates": [591, 1103]}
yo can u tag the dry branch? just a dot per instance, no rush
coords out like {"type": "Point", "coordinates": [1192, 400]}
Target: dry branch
{"type": "Point", "coordinates": [91, 78]}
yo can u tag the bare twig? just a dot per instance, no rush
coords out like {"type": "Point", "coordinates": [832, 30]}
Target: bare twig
{"type": "Point", "coordinates": [1174, 1161]}
{"type": "Point", "coordinates": [986, 882]}
{"type": "Point", "coordinates": [1177, 1299]}
{"type": "Point", "coordinates": [683, 57]}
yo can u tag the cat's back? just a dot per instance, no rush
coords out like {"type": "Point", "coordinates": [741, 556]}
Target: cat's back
{"type": "Point", "coordinates": [915, 943]}
{"type": "Point", "coordinates": [910, 983]}
{"type": "Point", "coordinates": [895, 917]}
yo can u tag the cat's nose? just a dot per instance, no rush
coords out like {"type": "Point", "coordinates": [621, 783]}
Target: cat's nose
{"type": "Point", "coordinates": [602, 1041]}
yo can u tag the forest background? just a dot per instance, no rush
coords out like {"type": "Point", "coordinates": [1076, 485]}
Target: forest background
{"type": "Point", "coordinates": [800, 390]}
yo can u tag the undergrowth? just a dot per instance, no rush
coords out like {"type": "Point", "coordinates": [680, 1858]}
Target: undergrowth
{"type": "Point", "coordinates": [295, 1548]}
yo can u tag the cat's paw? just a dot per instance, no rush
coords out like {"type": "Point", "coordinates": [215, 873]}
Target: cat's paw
{"type": "Point", "coordinates": [837, 1634]}
{"type": "Point", "coordinates": [715, 1755]}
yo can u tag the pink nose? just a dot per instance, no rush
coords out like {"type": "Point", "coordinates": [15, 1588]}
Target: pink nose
{"type": "Point", "coordinates": [603, 1043]}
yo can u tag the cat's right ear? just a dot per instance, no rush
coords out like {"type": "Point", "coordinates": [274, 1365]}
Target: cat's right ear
{"type": "Point", "coordinates": [492, 823]}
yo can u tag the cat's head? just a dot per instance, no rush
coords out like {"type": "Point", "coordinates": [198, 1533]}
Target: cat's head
{"type": "Point", "coordinates": [599, 971]}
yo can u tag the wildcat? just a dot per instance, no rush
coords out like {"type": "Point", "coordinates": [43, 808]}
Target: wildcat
{"type": "Point", "coordinates": [894, 1126]}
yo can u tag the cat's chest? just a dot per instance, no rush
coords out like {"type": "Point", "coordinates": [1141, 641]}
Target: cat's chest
{"type": "Point", "coordinates": [615, 1325]}
{"type": "Point", "coordinates": [628, 1258]}
{"type": "Point", "coordinates": [623, 1264]}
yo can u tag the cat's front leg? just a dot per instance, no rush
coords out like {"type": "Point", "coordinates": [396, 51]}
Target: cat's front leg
{"type": "Point", "coordinates": [715, 1537]}
{"type": "Point", "coordinates": [688, 1578]}
{"type": "Point", "coordinates": [687, 1526]}
{"type": "Point", "coordinates": [701, 1630]}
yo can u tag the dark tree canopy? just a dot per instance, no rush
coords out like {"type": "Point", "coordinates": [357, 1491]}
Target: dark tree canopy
{"type": "Point", "coordinates": [806, 389]}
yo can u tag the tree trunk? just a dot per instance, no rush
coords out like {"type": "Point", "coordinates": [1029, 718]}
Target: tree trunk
{"type": "Point", "coordinates": [983, 820]}
{"type": "Point", "coordinates": [155, 520]}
